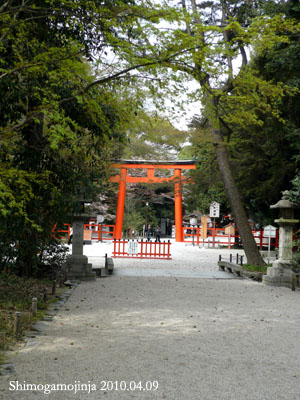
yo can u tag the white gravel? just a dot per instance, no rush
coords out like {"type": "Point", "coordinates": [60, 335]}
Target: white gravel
{"type": "Point", "coordinates": [185, 256]}
{"type": "Point", "coordinates": [201, 339]}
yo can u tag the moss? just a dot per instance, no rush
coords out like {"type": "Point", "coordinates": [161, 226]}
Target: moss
{"type": "Point", "coordinates": [255, 268]}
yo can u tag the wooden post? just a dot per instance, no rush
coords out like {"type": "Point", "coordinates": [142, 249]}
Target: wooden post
{"type": "Point", "coordinates": [17, 324]}
{"type": "Point", "coordinates": [34, 306]}
{"type": "Point", "coordinates": [45, 295]}
{"type": "Point", "coordinates": [203, 229]}
{"type": "Point", "coordinates": [53, 287]}
{"type": "Point", "coordinates": [293, 282]}
{"type": "Point", "coordinates": [100, 232]}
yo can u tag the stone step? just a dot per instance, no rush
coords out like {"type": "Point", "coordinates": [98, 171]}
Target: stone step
{"type": "Point", "coordinates": [100, 272]}
{"type": "Point", "coordinates": [104, 266]}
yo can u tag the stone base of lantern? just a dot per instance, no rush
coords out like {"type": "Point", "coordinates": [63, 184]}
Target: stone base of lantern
{"type": "Point", "coordinates": [280, 274]}
{"type": "Point", "coordinates": [78, 267]}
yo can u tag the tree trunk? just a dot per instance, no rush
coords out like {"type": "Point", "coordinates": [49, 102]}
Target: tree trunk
{"type": "Point", "coordinates": [212, 107]}
{"type": "Point", "coordinates": [250, 247]}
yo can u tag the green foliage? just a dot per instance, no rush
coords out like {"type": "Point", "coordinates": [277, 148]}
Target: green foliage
{"type": "Point", "coordinates": [295, 192]}
{"type": "Point", "coordinates": [133, 220]}
{"type": "Point", "coordinates": [151, 137]}
{"type": "Point", "coordinates": [63, 114]}
{"type": "Point", "coordinates": [256, 111]}
{"type": "Point", "coordinates": [255, 268]}
{"type": "Point", "coordinates": [144, 205]}
{"type": "Point", "coordinates": [206, 185]}
{"type": "Point", "coordinates": [268, 154]}
{"type": "Point", "coordinates": [296, 255]}
{"type": "Point", "coordinates": [69, 95]}
{"type": "Point", "coordinates": [296, 263]}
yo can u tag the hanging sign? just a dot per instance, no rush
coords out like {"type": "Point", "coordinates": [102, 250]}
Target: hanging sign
{"type": "Point", "coordinates": [270, 231]}
{"type": "Point", "coordinates": [203, 227]}
{"type": "Point", "coordinates": [214, 210]}
{"type": "Point", "coordinates": [229, 230]}
{"type": "Point", "coordinates": [132, 247]}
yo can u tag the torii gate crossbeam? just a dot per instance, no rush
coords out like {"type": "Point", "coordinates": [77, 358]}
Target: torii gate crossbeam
{"type": "Point", "coordinates": [150, 166]}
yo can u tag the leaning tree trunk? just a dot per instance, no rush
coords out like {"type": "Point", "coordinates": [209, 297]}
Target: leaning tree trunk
{"type": "Point", "coordinates": [233, 195]}
{"type": "Point", "coordinates": [212, 107]}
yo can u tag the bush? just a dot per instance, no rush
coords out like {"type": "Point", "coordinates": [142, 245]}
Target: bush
{"type": "Point", "coordinates": [296, 263]}
{"type": "Point", "coordinates": [52, 259]}
{"type": "Point", "coordinates": [45, 260]}
{"type": "Point", "coordinates": [296, 255]}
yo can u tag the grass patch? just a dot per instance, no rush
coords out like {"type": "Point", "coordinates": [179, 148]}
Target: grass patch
{"type": "Point", "coordinates": [255, 268]}
{"type": "Point", "coordinates": [16, 294]}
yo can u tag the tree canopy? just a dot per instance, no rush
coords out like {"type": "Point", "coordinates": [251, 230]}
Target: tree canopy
{"type": "Point", "coordinates": [64, 109]}
{"type": "Point", "coordinates": [74, 75]}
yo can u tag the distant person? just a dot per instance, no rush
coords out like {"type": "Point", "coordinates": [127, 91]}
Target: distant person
{"type": "Point", "coordinates": [157, 234]}
{"type": "Point", "coordinates": [149, 232]}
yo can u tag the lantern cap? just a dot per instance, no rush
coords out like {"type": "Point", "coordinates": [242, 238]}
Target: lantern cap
{"type": "Point", "coordinates": [285, 202]}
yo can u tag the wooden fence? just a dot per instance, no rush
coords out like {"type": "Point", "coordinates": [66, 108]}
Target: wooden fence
{"type": "Point", "coordinates": [142, 249]}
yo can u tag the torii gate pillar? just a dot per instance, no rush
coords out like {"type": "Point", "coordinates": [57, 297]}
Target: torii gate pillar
{"type": "Point", "coordinates": [178, 206]}
{"type": "Point", "coordinates": [121, 203]}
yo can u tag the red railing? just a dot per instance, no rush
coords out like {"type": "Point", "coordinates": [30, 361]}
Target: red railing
{"type": "Point", "coordinates": [191, 235]}
{"type": "Point", "coordinates": [61, 233]}
{"type": "Point", "coordinates": [141, 249]}
{"type": "Point", "coordinates": [217, 236]}
{"type": "Point", "coordinates": [99, 232]}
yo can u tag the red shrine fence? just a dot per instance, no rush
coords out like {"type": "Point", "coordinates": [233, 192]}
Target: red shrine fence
{"type": "Point", "coordinates": [142, 249]}
{"type": "Point", "coordinates": [218, 237]}
{"type": "Point", "coordinates": [99, 232]}
{"type": "Point", "coordinates": [215, 236]}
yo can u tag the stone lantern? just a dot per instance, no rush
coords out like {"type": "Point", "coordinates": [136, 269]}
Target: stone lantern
{"type": "Point", "coordinates": [280, 274]}
{"type": "Point", "coordinates": [78, 266]}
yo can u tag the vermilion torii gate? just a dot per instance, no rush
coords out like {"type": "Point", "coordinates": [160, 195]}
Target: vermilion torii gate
{"type": "Point", "coordinates": [150, 166]}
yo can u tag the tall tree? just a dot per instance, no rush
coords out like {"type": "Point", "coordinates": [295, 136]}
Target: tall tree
{"type": "Point", "coordinates": [274, 64]}
{"type": "Point", "coordinates": [61, 118]}
{"type": "Point", "coordinates": [209, 42]}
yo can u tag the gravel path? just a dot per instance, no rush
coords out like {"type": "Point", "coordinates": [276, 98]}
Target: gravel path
{"type": "Point", "coordinates": [185, 257]}
{"type": "Point", "coordinates": [202, 339]}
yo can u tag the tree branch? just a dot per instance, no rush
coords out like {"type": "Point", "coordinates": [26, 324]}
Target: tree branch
{"type": "Point", "coordinates": [117, 75]}
{"type": "Point", "coordinates": [39, 63]}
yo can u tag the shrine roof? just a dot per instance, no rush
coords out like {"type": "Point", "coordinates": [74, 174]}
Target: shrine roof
{"type": "Point", "coordinates": [182, 164]}
{"type": "Point", "coordinates": [177, 162]}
